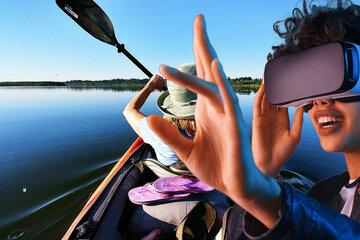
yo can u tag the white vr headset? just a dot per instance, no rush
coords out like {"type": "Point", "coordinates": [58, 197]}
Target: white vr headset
{"type": "Point", "coordinates": [330, 71]}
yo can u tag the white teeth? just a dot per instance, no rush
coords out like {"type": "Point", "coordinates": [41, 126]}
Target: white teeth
{"type": "Point", "coordinates": [327, 119]}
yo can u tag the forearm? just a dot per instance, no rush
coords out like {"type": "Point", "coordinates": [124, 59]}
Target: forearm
{"type": "Point", "coordinates": [264, 201]}
{"type": "Point", "coordinates": [132, 110]}
{"type": "Point", "coordinates": [261, 195]}
{"type": "Point", "coordinates": [304, 218]}
{"type": "Point", "coordinates": [138, 101]}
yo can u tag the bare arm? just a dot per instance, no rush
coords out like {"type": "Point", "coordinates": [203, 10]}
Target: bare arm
{"type": "Point", "coordinates": [132, 110]}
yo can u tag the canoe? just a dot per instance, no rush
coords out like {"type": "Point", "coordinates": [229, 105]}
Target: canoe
{"type": "Point", "coordinates": [109, 214]}
{"type": "Point", "coordinates": [104, 187]}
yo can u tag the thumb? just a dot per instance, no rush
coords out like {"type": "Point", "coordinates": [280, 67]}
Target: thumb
{"type": "Point", "coordinates": [170, 135]}
{"type": "Point", "coordinates": [296, 128]}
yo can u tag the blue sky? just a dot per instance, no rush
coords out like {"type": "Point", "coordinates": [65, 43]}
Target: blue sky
{"type": "Point", "coordinates": [39, 42]}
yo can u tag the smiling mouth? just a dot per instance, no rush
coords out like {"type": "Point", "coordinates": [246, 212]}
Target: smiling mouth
{"type": "Point", "coordinates": [328, 122]}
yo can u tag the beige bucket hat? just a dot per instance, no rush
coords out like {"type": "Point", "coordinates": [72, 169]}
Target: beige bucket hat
{"type": "Point", "coordinates": [178, 101]}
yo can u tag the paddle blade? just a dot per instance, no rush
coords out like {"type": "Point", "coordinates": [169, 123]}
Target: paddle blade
{"type": "Point", "coordinates": [91, 18]}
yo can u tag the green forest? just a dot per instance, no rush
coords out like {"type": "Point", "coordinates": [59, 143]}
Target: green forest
{"type": "Point", "coordinates": [242, 84]}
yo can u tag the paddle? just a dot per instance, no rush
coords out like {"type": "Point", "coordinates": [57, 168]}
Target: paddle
{"type": "Point", "coordinates": [94, 20]}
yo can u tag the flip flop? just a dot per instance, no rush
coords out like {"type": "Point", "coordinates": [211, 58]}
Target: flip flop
{"type": "Point", "coordinates": [147, 195]}
{"type": "Point", "coordinates": [180, 184]}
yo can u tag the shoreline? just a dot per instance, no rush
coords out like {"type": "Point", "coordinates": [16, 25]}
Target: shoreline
{"type": "Point", "coordinates": [243, 84]}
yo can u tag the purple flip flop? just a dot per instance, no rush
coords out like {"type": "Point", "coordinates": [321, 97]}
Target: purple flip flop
{"type": "Point", "coordinates": [180, 184]}
{"type": "Point", "coordinates": [147, 195]}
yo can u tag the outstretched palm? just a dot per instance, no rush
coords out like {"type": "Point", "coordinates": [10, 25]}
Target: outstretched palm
{"type": "Point", "coordinates": [273, 140]}
{"type": "Point", "coordinates": [220, 155]}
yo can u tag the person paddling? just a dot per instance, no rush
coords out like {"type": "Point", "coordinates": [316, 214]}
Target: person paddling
{"type": "Point", "coordinates": [178, 106]}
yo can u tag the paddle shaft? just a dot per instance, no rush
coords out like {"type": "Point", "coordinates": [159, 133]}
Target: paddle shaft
{"type": "Point", "coordinates": [121, 49]}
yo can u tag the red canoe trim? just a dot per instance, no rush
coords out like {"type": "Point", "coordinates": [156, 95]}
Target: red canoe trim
{"type": "Point", "coordinates": [137, 143]}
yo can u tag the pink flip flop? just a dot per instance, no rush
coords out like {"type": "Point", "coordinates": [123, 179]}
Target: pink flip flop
{"type": "Point", "coordinates": [147, 195]}
{"type": "Point", "coordinates": [180, 184]}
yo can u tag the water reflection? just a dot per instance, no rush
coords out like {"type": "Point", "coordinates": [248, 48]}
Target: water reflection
{"type": "Point", "coordinates": [56, 144]}
{"type": "Point", "coordinates": [246, 92]}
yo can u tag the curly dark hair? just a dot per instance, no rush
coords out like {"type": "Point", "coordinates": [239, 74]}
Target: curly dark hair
{"type": "Point", "coordinates": [317, 25]}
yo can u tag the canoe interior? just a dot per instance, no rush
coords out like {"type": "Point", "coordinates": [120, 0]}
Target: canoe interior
{"type": "Point", "coordinates": [113, 216]}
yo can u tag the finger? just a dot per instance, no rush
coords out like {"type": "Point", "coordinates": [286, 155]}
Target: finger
{"type": "Point", "coordinates": [199, 66]}
{"type": "Point", "coordinates": [266, 105]}
{"type": "Point", "coordinates": [154, 234]}
{"type": "Point", "coordinates": [203, 45]}
{"type": "Point", "coordinates": [226, 91]}
{"type": "Point", "coordinates": [257, 112]}
{"type": "Point", "coordinates": [285, 112]}
{"type": "Point", "coordinates": [296, 128]}
{"type": "Point", "coordinates": [171, 136]}
{"type": "Point", "coordinates": [282, 110]}
{"type": "Point", "coordinates": [263, 104]}
{"type": "Point", "coordinates": [271, 106]}
{"type": "Point", "coordinates": [194, 84]}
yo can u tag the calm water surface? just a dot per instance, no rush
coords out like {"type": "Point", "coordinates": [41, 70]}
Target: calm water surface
{"type": "Point", "coordinates": [57, 144]}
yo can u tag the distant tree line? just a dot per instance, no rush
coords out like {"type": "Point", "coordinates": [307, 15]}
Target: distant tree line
{"type": "Point", "coordinates": [241, 84]}
{"type": "Point", "coordinates": [245, 84]}
{"type": "Point", "coordinates": [32, 84]}
{"type": "Point", "coordinates": [118, 84]}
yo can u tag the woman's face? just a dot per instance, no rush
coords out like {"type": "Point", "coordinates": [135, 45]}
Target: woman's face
{"type": "Point", "coordinates": [337, 125]}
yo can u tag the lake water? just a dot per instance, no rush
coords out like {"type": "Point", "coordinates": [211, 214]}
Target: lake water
{"type": "Point", "coordinates": [57, 144]}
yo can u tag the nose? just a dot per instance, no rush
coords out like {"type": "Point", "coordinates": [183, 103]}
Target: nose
{"type": "Point", "coordinates": [323, 102]}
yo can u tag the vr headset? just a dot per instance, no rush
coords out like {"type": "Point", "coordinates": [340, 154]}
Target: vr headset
{"type": "Point", "coordinates": [330, 71]}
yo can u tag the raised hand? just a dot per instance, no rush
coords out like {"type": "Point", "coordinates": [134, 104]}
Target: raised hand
{"type": "Point", "coordinates": [157, 83]}
{"type": "Point", "coordinates": [220, 154]}
{"type": "Point", "coordinates": [273, 141]}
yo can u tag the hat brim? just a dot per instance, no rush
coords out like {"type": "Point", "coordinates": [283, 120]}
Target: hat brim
{"type": "Point", "coordinates": [169, 108]}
